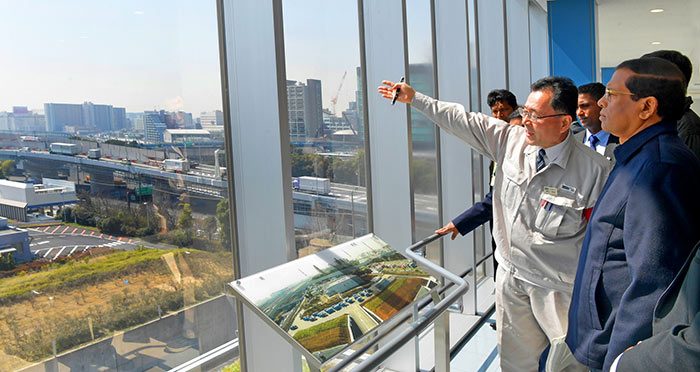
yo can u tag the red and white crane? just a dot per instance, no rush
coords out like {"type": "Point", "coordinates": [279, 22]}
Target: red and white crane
{"type": "Point", "coordinates": [334, 100]}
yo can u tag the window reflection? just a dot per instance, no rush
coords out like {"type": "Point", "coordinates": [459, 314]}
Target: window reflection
{"type": "Point", "coordinates": [423, 132]}
{"type": "Point", "coordinates": [113, 185]}
{"type": "Point", "coordinates": [325, 122]}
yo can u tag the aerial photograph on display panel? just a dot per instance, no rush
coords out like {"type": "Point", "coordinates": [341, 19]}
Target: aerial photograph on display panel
{"type": "Point", "coordinates": [328, 300]}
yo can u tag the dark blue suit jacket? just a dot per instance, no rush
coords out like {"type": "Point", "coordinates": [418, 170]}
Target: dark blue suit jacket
{"type": "Point", "coordinates": [477, 215]}
{"type": "Point", "coordinates": [643, 227]}
{"type": "Point", "coordinates": [676, 342]}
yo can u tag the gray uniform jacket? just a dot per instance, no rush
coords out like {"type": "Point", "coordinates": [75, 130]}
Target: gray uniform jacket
{"type": "Point", "coordinates": [540, 217]}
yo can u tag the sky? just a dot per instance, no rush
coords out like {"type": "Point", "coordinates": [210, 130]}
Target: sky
{"type": "Point", "coordinates": [159, 54]}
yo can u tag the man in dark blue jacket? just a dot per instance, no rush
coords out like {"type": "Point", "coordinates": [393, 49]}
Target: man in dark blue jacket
{"type": "Point", "coordinates": [646, 220]}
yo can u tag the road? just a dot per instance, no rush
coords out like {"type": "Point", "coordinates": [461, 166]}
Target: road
{"type": "Point", "coordinates": [51, 242]}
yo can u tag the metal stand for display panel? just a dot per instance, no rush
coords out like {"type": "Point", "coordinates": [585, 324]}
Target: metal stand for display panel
{"type": "Point", "coordinates": [434, 309]}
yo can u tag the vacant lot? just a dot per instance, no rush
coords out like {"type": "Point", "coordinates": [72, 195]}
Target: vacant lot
{"type": "Point", "coordinates": [325, 335]}
{"type": "Point", "coordinates": [395, 297]}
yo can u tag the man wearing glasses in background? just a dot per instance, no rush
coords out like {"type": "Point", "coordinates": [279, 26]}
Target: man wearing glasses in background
{"type": "Point", "coordinates": [547, 184]}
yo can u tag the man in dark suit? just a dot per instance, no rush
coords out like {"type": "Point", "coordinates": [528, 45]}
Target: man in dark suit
{"type": "Point", "coordinates": [646, 219]}
{"type": "Point", "coordinates": [675, 345]}
{"type": "Point", "coordinates": [588, 113]}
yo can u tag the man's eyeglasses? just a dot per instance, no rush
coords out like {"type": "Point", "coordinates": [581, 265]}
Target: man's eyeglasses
{"type": "Point", "coordinates": [534, 117]}
{"type": "Point", "coordinates": [612, 92]}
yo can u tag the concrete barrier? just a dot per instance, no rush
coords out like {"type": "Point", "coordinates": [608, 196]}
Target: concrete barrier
{"type": "Point", "coordinates": [158, 346]}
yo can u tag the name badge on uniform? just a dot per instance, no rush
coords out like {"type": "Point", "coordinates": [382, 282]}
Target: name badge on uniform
{"type": "Point", "coordinates": [568, 188]}
{"type": "Point", "coordinates": [550, 190]}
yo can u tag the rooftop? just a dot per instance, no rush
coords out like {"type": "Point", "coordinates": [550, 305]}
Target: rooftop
{"type": "Point", "coordinates": [188, 131]}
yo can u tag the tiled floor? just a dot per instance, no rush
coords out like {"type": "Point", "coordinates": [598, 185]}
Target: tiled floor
{"type": "Point", "coordinates": [479, 354]}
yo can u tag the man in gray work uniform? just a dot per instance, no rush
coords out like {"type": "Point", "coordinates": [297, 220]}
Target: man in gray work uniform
{"type": "Point", "coordinates": [543, 195]}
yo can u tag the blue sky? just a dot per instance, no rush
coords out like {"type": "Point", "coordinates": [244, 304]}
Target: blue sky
{"type": "Point", "coordinates": [164, 54]}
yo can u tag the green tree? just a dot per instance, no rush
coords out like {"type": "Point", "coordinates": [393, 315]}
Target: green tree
{"type": "Point", "coordinates": [309, 164]}
{"type": "Point", "coordinates": [7, 168]}
{"type": "Point", "coordinates": [210, 226]}
{"type": "Point", "coordinates": [344, 171]}
{"type": "Point", "coordinates": [224, 219]}
{"type": "Point", "coordinates": [184, 222]}
{"type": "Point", "coordinates": [360, 165]}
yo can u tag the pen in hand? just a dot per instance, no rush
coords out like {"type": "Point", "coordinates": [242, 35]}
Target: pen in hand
{"type": "Point", "coordinates": [396, 92]}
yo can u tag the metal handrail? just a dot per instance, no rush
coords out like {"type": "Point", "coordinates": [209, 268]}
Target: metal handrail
{"type": "Point", "coordinates": [419, 324]}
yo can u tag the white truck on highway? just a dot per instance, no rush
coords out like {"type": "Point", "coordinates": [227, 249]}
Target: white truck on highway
{"type": "Point", "coordinates": [176, 165]}
{"type": "Point", "coordinates": [312, 184]}
{"type": "Point", "coordinates": [64, 148]}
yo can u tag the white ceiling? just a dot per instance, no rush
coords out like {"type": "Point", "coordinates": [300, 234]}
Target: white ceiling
{"type": "Point", "coordinates": [626, 29]}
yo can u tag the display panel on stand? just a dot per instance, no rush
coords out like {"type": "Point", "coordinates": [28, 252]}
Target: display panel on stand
{"type": "Point", "coordinates": [325, 302]}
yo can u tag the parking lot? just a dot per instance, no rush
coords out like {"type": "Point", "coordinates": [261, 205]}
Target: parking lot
{"type": "Point", "coordinates": [51, 242]}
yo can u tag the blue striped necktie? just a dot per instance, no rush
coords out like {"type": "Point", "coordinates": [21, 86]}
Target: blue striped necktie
{"type": "Point", "coordinates": [593, 141]}
{"type": "Point", "coordinates": [540, 159]}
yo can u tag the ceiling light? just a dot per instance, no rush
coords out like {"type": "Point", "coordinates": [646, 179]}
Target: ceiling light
{"type": "Point", "coordinates": [657, 10]}
{"type": "Point", "coordinates": [138, 12]}
{"type": "Point", "coordinates": [655, 43]}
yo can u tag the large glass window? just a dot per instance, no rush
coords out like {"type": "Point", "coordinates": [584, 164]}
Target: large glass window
{"type": "Point", "coordinates": [325, 122]}
{"type": "Point", "coordinates": [424, 164]}
{"type": "Point", "coordinates": [113, 190]}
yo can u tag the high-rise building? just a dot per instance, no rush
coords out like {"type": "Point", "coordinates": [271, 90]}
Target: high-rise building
{"type": "Point", "coordinates": [351, 116]}
{"type": "Point", "coordinates": [359, 103]}
{"type": "Point", "coordinates": [22, 120]}
{"type": "Point", "coordinates": [305, 109]}
{"type": "Point", "coordinates": [135, 120]}
{"type": "Point", "coordinates": [87, 114]}
{"type": "Point", "coordinates": [119, 118]}
{"type": "Point", "coordinates": [179, 120]}
{"type": "Point", "coordinates": [58, 115]}
{"type": "Point", "coordinates": [210, 118]}
{"type": "Point", "coordinates": [422, 129]}
{"type": "Point", "coordinates": [98, 116]}
{"type": "Point", "coordinates": [154, 126]}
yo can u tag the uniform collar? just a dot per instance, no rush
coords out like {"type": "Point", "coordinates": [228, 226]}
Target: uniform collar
{"type": "Point", "coordinates": [625, 151]}
{"type": "Point", "coordinates": [557, 154]}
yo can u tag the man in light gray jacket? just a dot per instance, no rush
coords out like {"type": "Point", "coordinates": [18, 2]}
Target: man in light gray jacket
{"type": "Point", "coordinates": [543, 195]}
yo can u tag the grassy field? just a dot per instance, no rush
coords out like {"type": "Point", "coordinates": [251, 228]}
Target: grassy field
{"type": "Point", "coordinates": [114, 291]}
{"type": "Point", "coordinates": [325, 335]}
{"type": "Point", "coordinates": [395, 297]}
{"type": "Point", "coordinates": [76, 273]}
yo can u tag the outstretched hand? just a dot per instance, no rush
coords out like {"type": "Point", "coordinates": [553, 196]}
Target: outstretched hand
{"type": "Point", "coordinates": [405, 93]}
{"type": "Point", "coordinates": [449, 228]}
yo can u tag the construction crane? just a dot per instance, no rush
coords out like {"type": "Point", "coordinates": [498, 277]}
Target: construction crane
{"type": "Point", "coordinates": [334, 100]}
